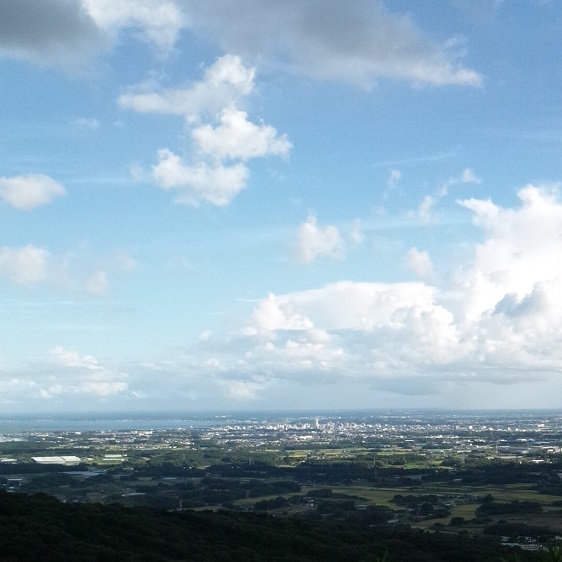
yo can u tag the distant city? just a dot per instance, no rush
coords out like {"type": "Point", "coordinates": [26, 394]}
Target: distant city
{"type": "Point", "coordinates": [502, 434]}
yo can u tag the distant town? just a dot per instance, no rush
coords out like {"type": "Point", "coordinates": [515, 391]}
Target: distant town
{"type": "Point", "coordinates": [526, 436]}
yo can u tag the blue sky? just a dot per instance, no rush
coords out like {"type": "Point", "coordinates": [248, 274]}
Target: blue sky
{"type": "Point", "coordinates": [280, 204]}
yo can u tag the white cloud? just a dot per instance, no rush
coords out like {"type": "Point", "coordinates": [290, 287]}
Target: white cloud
{"type": "Point", "coordinates": [32, 265]}
{"type": "Point", "coordinates": [466, 177]}
{"type": "Point", "coordinates": [202, 182]}
{"type": "Point", "coordinates": [229, 69]}
{"type": "Point", "coordinates": [216, 171]}
{"type": "Point", "coordinates": [419, 262]}
{"type": "Point", "coordinates": [97, 284]}
{"type": "Point", "coordinates": [358, 42]}
{"type": "Point", "coordinates": [225, 84]}
{"type": "Point", "coordinates": [69, 358]}
{"type": "Point", "coordinates": [90, 123]}
{"type": "Point", "coordinates": [158, 21]}
{"type": "Point", "coordinates": [469, 177]}
{"type": "Point", "coordinates": [485, 212]}
{"type": "Point", "coordinates": [242, 389]}
{"type": "Point", "coordinates": [430, 201]}
{"type": "Point", "coordinates": [424, 210]}
{"type": "Point", "coordinates": [340, 306]}
{"type": "Point", "coordinates": [83, 375]}
{"type": "Point", "coordinates": [238, 138]}
{"type": "Point", "coordinates": [104, 388]}
{"type": "Point", "coordinates": [27, 266]}
{"type": "Point", "coordinates": [520, 249]}
{"type": "Point", "coordinates": [314, 241]}
{"type": "Point", "coordinates": [348, 331]}
{"type": "Point", "coordinates": [394, 177]}
{"type": "Point", "coordinates": [274, 314]}
{"type": "Point", "coordinates": [15, 389]}
{"type": "Point", "coordinates": [371, 331]}
{"type": "Point", "coordinates": [497, 320]}
{"type": "Point", "coordinates": [355, 235]}
{"type": "Point", "coordinates": [29, 191]}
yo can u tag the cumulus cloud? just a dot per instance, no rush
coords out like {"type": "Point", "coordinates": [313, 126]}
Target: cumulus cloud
{"type": "Point", "coordinates": [357, 42]}
{"type": "Point", "coordinates": [15, 389]}
{"type": "Point", "coordinates": [69, 358]}
{"type": "Point", "coordinates": [242, 389]}
{"type": "Point", "coordinates": [225, 84]}
{"type": "Point", "coordinates": [223, 138]}
{"type": "Point", "coordinates": [83, 375]}
{"type": "Point", "coordinates": [314, 242]}
{"type": "Point", "coordinates": [497, 320]}
{"type": "Point", "coordinates": [345, 305]}
{"type": "Point", "coordinates": [26, 266]}
{"type": "Point", "coordinates": [157, 21]}
{"type": "Point", "coordinates": [202, 182]}
{"type": "Point", "coordinates": [236, 137]}
{"type": "Point", "coordinates": [103, 389]}
{"type": "Point", "coordinates": [29, 191]}
{"type": "Point", "coordinates": [419, 262]}
{"type": "Point", "coordinates": [273, 314]}
{"type": "Point", "coordinates": [519, 250]}
{"type": "Point", "coordinates": [31, 265]}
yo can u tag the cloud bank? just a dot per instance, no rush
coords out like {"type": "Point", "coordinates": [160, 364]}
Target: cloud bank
{"type": "Point", "coordinates": [31, 266]}
{"type": "Point", "coordinates": [358, 42]}
{"type": "Point", "coordinates": [68, 31]}
{"type": "Point", "coordinates": [497, 319]}
{"type": "Point", "coordinates": [47, 31]}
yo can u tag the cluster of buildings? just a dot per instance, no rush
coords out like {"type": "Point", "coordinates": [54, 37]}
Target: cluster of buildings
{"type": "Point", "coordinates": [534, 436]}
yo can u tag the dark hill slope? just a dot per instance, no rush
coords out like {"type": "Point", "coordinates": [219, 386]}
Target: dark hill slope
{"type": "Point", "coordinates": [39, 528]}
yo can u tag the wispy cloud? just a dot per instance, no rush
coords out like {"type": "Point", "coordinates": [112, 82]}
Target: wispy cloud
{"type": "Point", "coordinates": [431, 200]}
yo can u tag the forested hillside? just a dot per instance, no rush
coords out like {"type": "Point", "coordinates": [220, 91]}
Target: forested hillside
{"type": "Point", "coordinates": [40, 529]}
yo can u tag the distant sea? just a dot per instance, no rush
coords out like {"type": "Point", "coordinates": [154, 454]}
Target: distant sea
{"type": "Point", "coordinates": [76, 422]}
{"type": "Point", "coordinates": [67, 422]}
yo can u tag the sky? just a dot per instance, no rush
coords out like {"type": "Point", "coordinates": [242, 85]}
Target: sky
{"type": "Point", "coordinates": [280, 204]}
